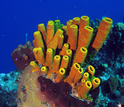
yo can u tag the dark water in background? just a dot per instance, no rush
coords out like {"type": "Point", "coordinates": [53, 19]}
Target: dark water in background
{"type": "Point", "coordinates": [21, 17]}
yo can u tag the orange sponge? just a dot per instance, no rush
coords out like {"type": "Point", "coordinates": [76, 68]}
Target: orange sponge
{"type": "Point", "coordinates": [74, 69]}
{"type": "Point", "coordinates": [83, 90]}
{"type": "Point", "coordinates": [56, 63]}
{"type": "Point", "coordinates": [72, 37]}
{"type": "Point", "coordinates": [86, 37]}
{"type": "Point", "coordinates": [44, 69]}
{"type": "Point", "coordinates": [103, 30]}
{"type": "Point", "coordinates": [34, 66]}
{"type": "Point", "coordinates": [86, 76]}
{"type": "Point", "coordinates": [64, 49]}
{"type": "Point", "coordinates": [65, 61]}
{"type": "Point", "coordinates": [76, 21]}
{"type": "Point", "coordinates": [60, 75]}
{"type": "Point", "coordinates": [80, 55]}
{"type": "Point", "coordinates": [96, 83]}
{"type": "Point", "coordinates": [49, 57]}
{"type": "Point", "coordinates": [38, 39]}
{"type": "Point", "coordinates": [78, 75]}
{"type": "Point", "coordinates": [42, 29]}
{"type": "Point", "coordinates": [50, 31]}
{"type": "Point", "coordinates": [39, 55]}
{"type": "Point", "coordinates": [84, 21]}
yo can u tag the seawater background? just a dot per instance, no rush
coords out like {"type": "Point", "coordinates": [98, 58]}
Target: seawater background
{"type": "Point", "coordinates": [21, 17]}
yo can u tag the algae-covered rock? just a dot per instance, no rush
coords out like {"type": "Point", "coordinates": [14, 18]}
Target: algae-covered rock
{"type": "Point", "coordinates": [113, 84]}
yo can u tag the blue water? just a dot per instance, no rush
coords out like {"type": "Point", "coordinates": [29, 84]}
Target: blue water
{"type": "Point", "coordinates": [19, 19]}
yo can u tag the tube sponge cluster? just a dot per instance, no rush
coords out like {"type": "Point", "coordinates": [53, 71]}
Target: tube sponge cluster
{"type": "Point", "coordinates": [61, 52]}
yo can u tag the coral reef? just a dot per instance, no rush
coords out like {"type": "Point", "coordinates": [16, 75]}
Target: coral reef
{"type": "Point", "coordinates": [8, 89]}
{"type": "Point", "coordinates": [108, 62]}
{"type": "Point", "coordinates": [23, 55]}
{"type": "Point", "coordinates": [61, 52]}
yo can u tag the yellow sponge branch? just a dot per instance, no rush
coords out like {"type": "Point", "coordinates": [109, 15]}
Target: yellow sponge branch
{"type": "Point", "coordinates": [50, 31]}
{"type": "Point", "coordinates": [80, 55]}
{"type": "Point", "coordinates": [103, 30]}
{"type": "Point", "coordinates": [76, 21]}
{"type": "Point", "coordinates": [44, 69]}
{"type": "Point", "coordinates": [49, 57]}
{"type": "Point", "coordinates": [96, 83]}
{"type": "Point", "coordinates": [34, 66]}
{"type": "Point", "coordinates": [74, 69]}
{"type": "Point", "coordinates": [78, 75]}
{"type": "Point", "coordinates": [72, 37]}
{"type": "Point", "coordinates": [83, 90]}
{"type": "Point", "coordinates": [39, 55]}
{"type": "Point", "coordinates": [64, 49]}
{"type": "Point", "coordinates": [41, 28]}
{"type": "Point", "coordinates": [65, 61]}
{"type": "Point", "coordinates": [56, 63]}
{"type": "Point", "coordinates": [38, 39]}
{"type": "Point", "coordinates": [60, 75]}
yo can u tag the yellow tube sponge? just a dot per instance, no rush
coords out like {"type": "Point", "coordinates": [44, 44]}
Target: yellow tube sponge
{"type": "Point", "coordinates": [91, 71]}
{"type": "Point", "coordinates": [44, 69]}
{"type": "Point", "coordinates": [83, 90]}
{"type": "Point", "coordinates": [65, 61]}
{"type": "Point", "coordinates": [56, 63]}
{"type": "Point", "coordinates": [49, 57]}
{"type": "Point", "coordinates": [60, 41]}
{"type": "Point", "coordinates": [64, 28]}
{"type": "Point", "coordinates": [84, 21]}
{"type": "Point", "coordinates": [86, 76]}
{"type": "Point", "coordinates": [58, 32]}
{"type": "Point", "coordinates": [86, 37]}
{"type": "Point", "coordinates": [68, 24]}
{"type": "Point", "coordinates": [83, 81]}
{"type": "Point", "coordinates": [54, 43]}
{"type": "Point", "coordinates": [42, 29]}
{"type": "Point", "coordinates": [34, 43]}
{"type": "Point", "coordinates": [57, 25]}
{"type": "Point", "coordinates": [69, 53]}
{"type": "Point", "coordinates": [34, 66]}
{"type": "Point", "coordinates": [80, 55]}
{"type": "Point", "coordinates": [39, 55]}
{"type": "Point", "coordinates": [103, 31]}
{"type": "Point", "coordinates": [96, 82]}
{"type": "Point", "coordinates": [50, 31]}
{"type": "Point", "coordinates": [72, 37]}
{"type": "Point", "coordinates": [38, 39]}
{"type": "Point", "coordinates": [60, 75]}
{"type": "Point", "coordinates": [78, 75]}
{"type": "Point", "coordinates": [76, 21]}
{"type": "Point", "coordinates": [74, 69]}
{"type": "Point", "coordinates": [64, 49]}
